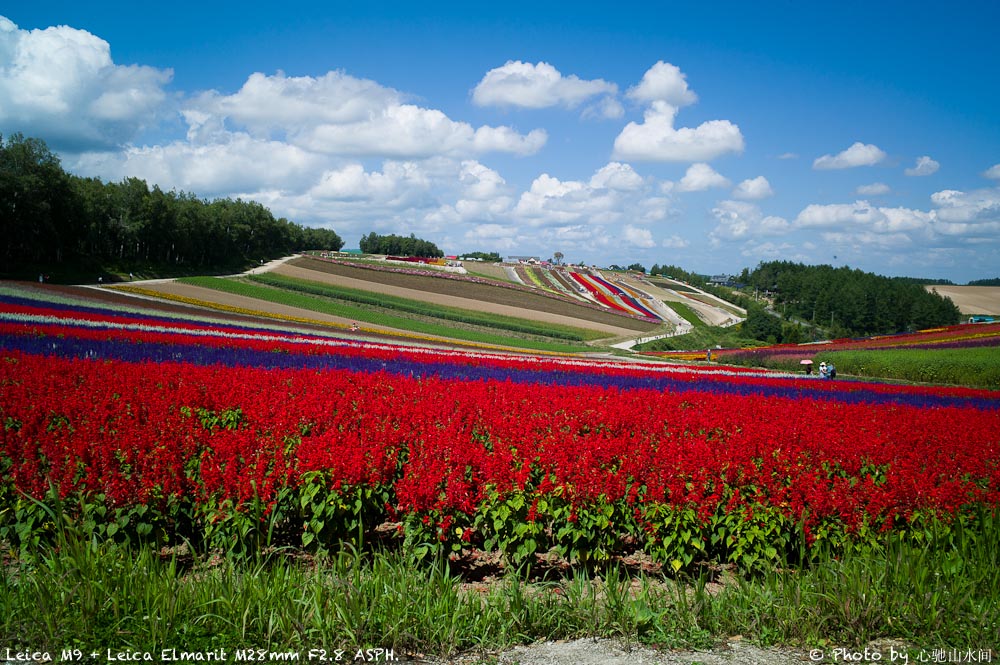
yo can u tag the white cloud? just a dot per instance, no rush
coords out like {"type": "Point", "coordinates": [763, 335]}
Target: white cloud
{"type": "Point", "coordinates": [859, 154]}
{"type": "Point", "coordinates": [739, 220]}
{"type": "Point", "coordinates": [924, 166]}
{"type": "Point", "coordinates": [836, 215]}
{"type": "Point", "coordinates": [663, 82]}
{"type": "Point", "coordinates": [536, 86]}
{"type": "Point", "coordinates": [352, 182]}
{"type": "Point", "coordinates": [656, 139]}
{"type": "Point", "coordinates": [753, 189]}
{"type": "Point", "coordinates": [638, 237]}
{"type": "Point", "coordinates": [700, 177]}
{"type": "Point", "coordinates": [993, 173]}
{"type": "Point", "coordinates": [618, 176]}
{"type": "Point", "coordinates": [874, 189]}
{"type": "Point", "coordinates": [238, 164]}
{"type": "Point", "coordinates": [608, 108]}
{"type": "Point", "coordinates": [981, 207]}
{"type": "Point", "coordinates": [675, 242]}
{"type": "Point", "coordinates": [61, 83]}
{"type": "Point", "coordinates": [339, 114]}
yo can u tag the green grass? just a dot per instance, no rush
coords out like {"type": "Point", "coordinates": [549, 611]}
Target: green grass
{"type": "Point", "coordinates": [427, 309]}
{"type": "Point", "coordinates": [86, 594]}
{"type": "Point", "coordinates": [362, 314]}
{"type": "Point", "coordinates": [687, 314]}
{"type": "Point", "coordinates": [974, 367]}
{"type": "Point", "coordinates": [703, 337]}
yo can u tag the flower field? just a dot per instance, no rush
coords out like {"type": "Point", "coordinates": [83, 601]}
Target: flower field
{"type": "Point", "coordinates": [154, 429]}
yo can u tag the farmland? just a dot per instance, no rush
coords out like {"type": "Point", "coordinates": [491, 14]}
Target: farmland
{"type": "Point", "coordinates": [239, 436]}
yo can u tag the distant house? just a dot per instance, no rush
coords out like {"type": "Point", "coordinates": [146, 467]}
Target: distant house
{"type": "Point", "coordinates": [523, 259]}
{"type": "Point", "coordinates": [721, 280]}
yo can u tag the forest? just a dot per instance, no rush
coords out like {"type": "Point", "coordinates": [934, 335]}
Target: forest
{"type": "Point", "coordinates": [374, 243]}
{"type": "Point", "coordinates": [55, 221]}
{"type": "Point", "coordinates": [845, 301]}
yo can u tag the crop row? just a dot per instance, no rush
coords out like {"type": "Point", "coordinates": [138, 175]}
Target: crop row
{"type": "Point", "coordinates": [416, 307]}
{"type": "Point", "coordinates": [237, 439]}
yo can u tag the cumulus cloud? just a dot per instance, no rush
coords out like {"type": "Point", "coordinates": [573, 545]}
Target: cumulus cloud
{"type": "Point", "coordinates": [993, 173]}
{"type": "Point", "coordinates": [859, 154]}
{"type": "Point", "coordinates": [618, 176]}
{"type": "Point", "coordinates": [536, 86]}
{"type": "Point", "coordinates": [924, 166]}
{"type": "Point", "coordinates": [977, 207]}
{"type": "Point", "coordinates": [700, 177]}
{"type": "Point", "coordinates": [675, 242]}
{"type": "Point", "coordinates": [61, 83]}
{"type": "Point", "coordinates": [638, 237]}
{"type": "Point", "coordinates": [874, 189]}
{"type": "Point", "coordinates": [656, 139]}
{"type": "Point", "coordinates": [738, 220]}
{"type": "Point", "coordinates": [753, 189]}
{"type": "Point", "coordinates": [237, 164]}
{"type": "Point", "coordinates": [663, 82]}
{"type": "Point", "coordinates": [339, 114]}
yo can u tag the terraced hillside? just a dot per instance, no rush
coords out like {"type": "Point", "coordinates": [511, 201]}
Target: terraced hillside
{"type": "Point", "coordinates": [468, 294]}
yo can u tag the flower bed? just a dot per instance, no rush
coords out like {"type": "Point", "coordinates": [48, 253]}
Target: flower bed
{"type": "Point", "coordinates": [236, 438]}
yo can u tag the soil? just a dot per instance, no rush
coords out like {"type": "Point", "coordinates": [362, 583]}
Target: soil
{"type": "Point", "coordinates": [971, 299]}
{"type": "Point", "coordinates": [359, 281]}
{"type": "Point", "coordinates": [530, 304]}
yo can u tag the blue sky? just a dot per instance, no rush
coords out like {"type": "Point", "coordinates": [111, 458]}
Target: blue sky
{"type": "Point", "coordinates": [712, 136]}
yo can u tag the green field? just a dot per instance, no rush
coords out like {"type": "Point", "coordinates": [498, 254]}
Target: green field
{"type": "Point", "coordinates": [428, 310]}
{"type": "Point", "coordinates": [974, 367]}
{"type": "Point", "coordinates": [367, 315]}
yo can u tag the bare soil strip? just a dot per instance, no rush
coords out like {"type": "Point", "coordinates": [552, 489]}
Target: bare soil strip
{"type": "Point", "coordinates": [446, 300]}
{"type": "Point", "coordinates": [468, 295]}
{"type": "Point", "coordinates": [971, 299]}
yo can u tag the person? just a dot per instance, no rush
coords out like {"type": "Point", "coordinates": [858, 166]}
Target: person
{"type": "Point", "coordinates": [831, 371]}
{"type": "Point", "coordinates": [823, 371]}
{"type": "Point", "coordinates": [708, 355]}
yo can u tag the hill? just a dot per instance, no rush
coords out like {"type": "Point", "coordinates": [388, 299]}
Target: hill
{"type": "Point", "coordinates": [971, 299]}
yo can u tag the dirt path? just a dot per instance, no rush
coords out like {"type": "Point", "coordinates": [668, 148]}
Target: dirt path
{"type": "Point", "coordinates": [594, 651]}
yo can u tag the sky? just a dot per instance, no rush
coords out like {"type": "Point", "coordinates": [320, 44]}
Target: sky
{"type": "Point", "coordinates": [712, 136]}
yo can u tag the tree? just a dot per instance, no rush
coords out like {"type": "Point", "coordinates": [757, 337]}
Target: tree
{"type": "Point", "coordinates": [558, 256]}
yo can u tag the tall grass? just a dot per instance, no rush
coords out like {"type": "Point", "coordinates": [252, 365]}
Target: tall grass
{"type": "Point", "coordinates": [942, 592]}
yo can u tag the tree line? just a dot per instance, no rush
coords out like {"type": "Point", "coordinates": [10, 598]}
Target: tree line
{"type": "Point", "coordinates": [52, 218]}
{"type": "Point", "coordinates": [373, 243]}
{"type": "Point", "coordinates": [848, 302]}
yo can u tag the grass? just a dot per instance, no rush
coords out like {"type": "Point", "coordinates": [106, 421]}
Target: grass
{"type": "Point", "coordinates": [974, 367]}
{"type": "Point", "coordinates": [702, 337]}
{"type": "Point", "coordinates": [426, 309]}
{"type": "Point", "coordinates": [687, 314]}
{"type": "Point", "coordinates": [87, 594]}
{"type": "Point", "coordinates": [366, 315]}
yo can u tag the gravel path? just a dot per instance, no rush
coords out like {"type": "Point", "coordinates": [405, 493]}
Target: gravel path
{"type": "Point", "coordinates": [592, 651]}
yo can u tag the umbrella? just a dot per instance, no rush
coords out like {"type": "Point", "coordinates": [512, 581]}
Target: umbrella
{"type": "Point", "coordinates": [806, 362]}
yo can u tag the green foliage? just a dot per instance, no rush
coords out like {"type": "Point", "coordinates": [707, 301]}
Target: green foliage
{"type": "Point", "coordinates": [852, 302]}
{"type": "Point", "coordinates": [56, 221]}
{"type": "Point", "coordinates": [974, 367]}
{"type": "Point", "coordinates": [374, 243]}
{"type": "Point", "coordinates": [761, 325]}
{"type": "Point", "coordinates": [490, 257]}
